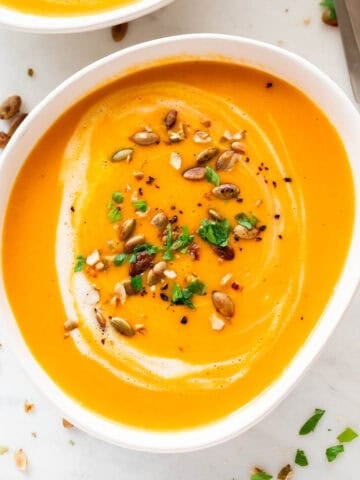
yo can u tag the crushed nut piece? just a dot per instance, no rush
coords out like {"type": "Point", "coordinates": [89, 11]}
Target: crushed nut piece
{"type": "Point", "coordinates": [171, 274]}
{"type": "Point", "coordinates": [28, 407]}
{"type": "Point", "coordinates": [70, 325]}
{"type": "Point", "coordinates": [20, 459]}
{"type": "Point", "coordinates": [93, 258]}
{"type": "Point", "coordinates": [4, 139]}
{"type": "Point", "coordinates": [10, 107]}
{"type": "Point", "coordinates": [66, 423]}
{"type": "Point", "coordinates": [216, 322]}
{"type": "Point", "coordinates": [226, 279]}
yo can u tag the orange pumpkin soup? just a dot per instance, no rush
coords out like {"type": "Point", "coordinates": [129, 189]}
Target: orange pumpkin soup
{"type": "Point", "coordinates": [174, 240]}
{"type": "Point", "coordinates": [64, 7]}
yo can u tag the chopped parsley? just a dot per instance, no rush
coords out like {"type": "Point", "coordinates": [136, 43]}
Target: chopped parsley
{"type": "Point", "coordinates": [247, 221]}
{"type": "Point", "coordinates": [148, 248]}
{"type": "Point", "coordinates": [301, 459]}
{"type": "Point", "coordinates": [118, 197]}
{"type": "Point", "coordinates": [80, 263]}
{"type": "Point", "coordinates": [333, 452]}
{"type": "Point", "coordinates": [310, 425]}
{"type": "Point", "coordinates": [183, 296]}
{"type": "Point", "coordinates": [119, 259]}
{"type": "Point", "coordinates": [168, 254]}
{"type": "Point", "coordinates": [329, 4]}
{"type": "Point", "coordinates": [348, 435]}
{"type": "Point", "coordinates": [261, 476]}
{"type": "Point", "coordinates": [114, 213]}
{"type": "Point", "coordinates": [183, 241]}
{"type": "Point", "coordinates": [136, 283]}
{"type": "Point", "coordinates": [140, 205]}
{"type": "Point", "coordinates": [212, 176]}
{"type": "Point", "coordinates": [215, 232]}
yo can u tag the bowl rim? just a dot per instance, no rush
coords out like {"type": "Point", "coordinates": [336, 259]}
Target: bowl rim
{"type": "Point", "coordinates": [234, 424]}
{"type": "Point", "coordinates": [33, 23]}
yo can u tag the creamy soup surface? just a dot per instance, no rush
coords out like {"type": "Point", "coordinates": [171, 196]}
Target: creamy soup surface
{"type": "Point", "coordinates": [64, 7]}
{"type": "Point", "coordinates": [173, 238]}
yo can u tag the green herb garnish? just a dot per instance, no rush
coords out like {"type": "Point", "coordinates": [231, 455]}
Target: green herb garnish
{"type": "Point", "coordinates": [183, 296]}
{"type": "Point", "coordinates": [216, 233]}
{"type": "Point", "coordinates": [183, 241]}
{"type": "Point", "coordinates": [261, 476]}
{"type": "Point", "coordinates": [114, 214]}
{"type": "Point", "coordinates": [310, 425]}
{"type": "Point", "coordinates": [136, 283]}
{"type": "Point", "coordinates": [148, 248]}
{"type": "Point", "coordinates": [212, 176]}
{"type": "Point", "coordinates": [348, 435]}
{"type": "Point", "coordinates": [168, 255]}
{"type": "Point", "coordinates": [140, 205]}
{"type": "Point", "coordinates": [333, 452]}
{"type": "Point", "coordinates": [119, 259]}
{"type": "Point", "coordinates": [301, 459]}
{"type": "Point", "coordinates": [80, 263]}
{"type": "Point", "coordinates": [118, 197]}
{"type": "Point", "coordinates": [329, 4]}
{"type": "Point", "coordinates": [247, 221]}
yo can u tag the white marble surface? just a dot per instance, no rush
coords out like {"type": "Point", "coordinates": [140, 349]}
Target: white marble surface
{"type": "Point", "coordinates": [333, 381]}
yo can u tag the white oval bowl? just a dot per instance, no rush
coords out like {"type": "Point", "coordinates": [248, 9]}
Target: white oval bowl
{"type": "Point", "coordinates": [28, 22]}
{"type": "Point", "coordinates": [341, 112]}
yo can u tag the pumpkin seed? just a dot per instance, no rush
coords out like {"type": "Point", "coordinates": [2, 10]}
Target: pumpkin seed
{"type": "Point", "coordinates": [129, 289]}
{"type": "Point", "coordinates": [125, 154]}
{"type": "Point", "coordinates": [10, 107]}
{"type": "Point", "coordinates": [145, 138]}
{"type": "Point", "coordinates": [244, 233]}
{"type": "Point", "coordinates": [100, 318]}
{"type": "Point", "coordinates": [202, 137]}
{"type": "Point", "coordinates": [133, 242]}
{"type": "Point", "coordinates": [226, 191]}
{"type": "Point", "coordinates": [240, 135]}
{"type": "Point", "coordinates": [195, 174]}
{"type": "Point", "coordinates": [223, 303]}
{"type": "Point", "coordinates": [238, 147]}
{"type": "Point", "coordinates": [127, 228]}
{"type": "Point", "coordinates": [122, 326]}
{"type": "Point", "coordinates": [160, 221]}
{"type": "Point", "coordinates": [159, 268]}
{"type": "Point", "coordinates": [227, 160]}
{"type": "Point", "coordinates": [170, 118]}
{"type": "Point", "coordinates": [206, 155]}
{"type": "Point", "coordinates": [215, 215]}
{"type": "Point", "coordinates": [286, 473]}
{"type": "Point", "coordinates": [175, 160]}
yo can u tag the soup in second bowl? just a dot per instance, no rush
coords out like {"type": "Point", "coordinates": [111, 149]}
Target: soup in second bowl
{"type": "Point", "coordinates": [64, 7]}
{"type": "Point", "coordinates": [173, 238]}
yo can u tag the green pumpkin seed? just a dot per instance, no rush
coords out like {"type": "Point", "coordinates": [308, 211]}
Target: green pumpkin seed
{"type": "Point", "coordinates": [122, 326]}
{"type": "Point", "coordinates": [223, 303]}
{"type": "Point", "coordinates": [206, 155]}
{"type": "Point", "coordinates": [195, 174]}
{"type": "Point", "coordinates": [145, 138]}
{"type": "Point", "coordinates": [226, 191]}
{"type": "Point", "coordinates": [127, 228]}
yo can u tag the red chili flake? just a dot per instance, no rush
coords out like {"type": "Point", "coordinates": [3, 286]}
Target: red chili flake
{"type": "Point", "coordinates": [140, 190]}
{"type": "Point", "coordinates": [164, 287]}
{"type": "Point", "coordinates": [164, 297]}
{"type": "Point", "coordinates": [72, 208]}
{"type": "Point", "coordinates": [235, 286]}
{"type": "Point", "coordinates": [184, 320]}
{"type": "Point", "coordinates": [287, 179]}
{"type": "Point", "coordinates": [102, 341]}
{"type": "Point", "coordinates": [181, 212]}
{"type": "Point", "coordinates": [173, 207]}
{"type": "Point", "coordinates": [277, 216]}
{"type": "Point", "coordinates": [239, 199]}
{"type": "Point", "coordinates": [280, 236]}
{"type": "Point", "coordinates": [262, 228]}
{"type": "Point", "coordinates": [173, 219]}
{"type": "Point", "coordinates": [247, 159]}
{"type": "Point", "coordinates": [269, 85]}
{"type": "Point", "coordinates": [258, 239]}
{"type": "Point", "coordinates": [274, 184]}
{"type": "Point", "coordinates": [199, 204]}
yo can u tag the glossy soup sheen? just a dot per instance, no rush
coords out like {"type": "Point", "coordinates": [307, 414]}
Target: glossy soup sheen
{"type": "Point", "coordinates": [294, 177]}
{"type": "Point", "coordinates": [64, 7]}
